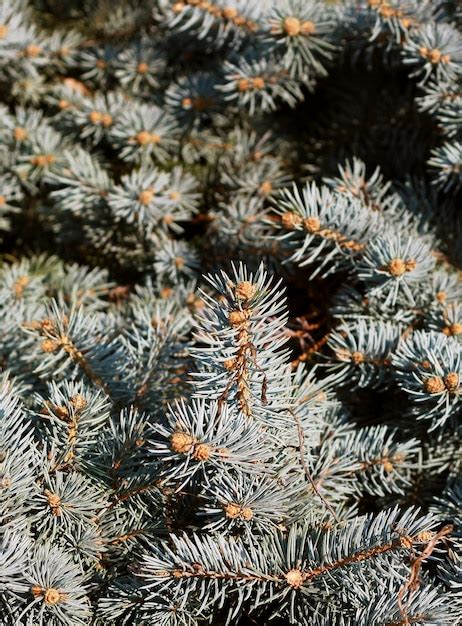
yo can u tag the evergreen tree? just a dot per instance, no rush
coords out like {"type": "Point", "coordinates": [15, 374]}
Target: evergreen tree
{"type": "Point", "coordinates": [230, 312]}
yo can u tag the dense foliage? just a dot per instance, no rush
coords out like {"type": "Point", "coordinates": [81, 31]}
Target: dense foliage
{"type": "Point", "coordinates": [230, 312]}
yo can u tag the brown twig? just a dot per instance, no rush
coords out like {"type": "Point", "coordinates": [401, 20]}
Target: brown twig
{"type": "Point", "coordinates": [305, 576]}
{"type": "Point", "coordinates": [301, 439]}
{"type": "Point", "coordinates": [416, 565]}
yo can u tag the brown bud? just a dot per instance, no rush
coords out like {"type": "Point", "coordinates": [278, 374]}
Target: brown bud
{"type": "Point", "coordinates": [3, 31]}
{"type": "Point", "coordinates": [47, 325]}
{"type": "Point", "coordinates": [42, 160]}
{"type": "Point", "coordinates": [451, 381]}
{"type": "Point", "coordinates": [243, 84]}
{"type": "Point", "coordinates": [54, 502]}
{"type": "Point", "coordinates": [232, 510]}
{"type": "Point", "coordinates": [386, 11]}
{"type": "Point", "coordinates": [245, 290]}
{"type": "Point", "coordinates": [195, 303]}
{"type": "Point", "coordinates": [49, 345]}
{"type": "Point", "coordinates": [229, 13]}
{"type": "Point", "coordinates": [20, 284]}
{"type": "Point", "coordinates": [312, 224]}
{"type": "Point", "coordinates": [106, 120]}
{"type": "Point", "coordinates": [410, 265]}
{"type": "Point", "coordinates": [78, 402]}
{"type": "Point", "coordinates": [181, 442]}
{"type": "Point", "coordinates": [142, 68]}
{"type": "Point", "coordinates": [202, 452]}
{"type": "Point", "coordinates": [265, 188]}
{"type": "Point", "coordinates": [52, 596]}
{"type": "Point", "coordinates": [258, 82]}
{"type": "Point", "coordinates": [246, 513]}
{"type": "Point", "coordinates": [5, 482]}
{"type": "Point", "coordinates": [32, 50]}
{"type": "Point", "coordinates": [290, 220]}
{"type": "Point", "coordinates": [424, 52]}
{"type": "Point", "coordinates": [406, 542]}
{"type": "Point", "coordinates": [76, 86]}
{"type": "Point", "coordinates": [294, 578]}
{"type": "Point", "coordinates": [34, 325]}
{"type": "Point", "coordinates": [235, 511]}
{"type": "Point", "coordinates": [396, 267]}
{"type": "Point", "coordinates": [435, 56]}
{"type": "Point", "coordinates": [95, 117]}
{"type": "Point", "coordinates": [20, 133]}
{"type": "Point", "coordinates": [292, 26]}
{"type": "Point", "coordinates": [357, 357]}
{"type": "Point", "coordinates": [143, 137]}
{"type": "Point", "coordinates": [308, 28]}
{"type": "Point", "coordinates": [434, 384]}
{"type": "Point", "coordinates": [145, 196]}
{"type": "Point", "coordinates": [61, 412]}
{"type": "Point", "coordinates": [388, 466]}
{"type": "Point", "coordinates": [238, 317]}
{"type": "Point", "coordinates": [453, 329]}
{"type": "Point", "coordinates": [37, 591]}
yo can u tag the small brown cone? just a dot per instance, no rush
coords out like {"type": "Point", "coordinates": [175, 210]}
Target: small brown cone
{"type": "Point", "coordinates": [181, 443]}
{"type": "Point", "coordinates": [292, 26]}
